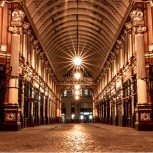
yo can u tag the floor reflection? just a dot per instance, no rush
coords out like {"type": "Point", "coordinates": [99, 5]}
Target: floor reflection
{"type": "Point", "coordinates": [77, 138]}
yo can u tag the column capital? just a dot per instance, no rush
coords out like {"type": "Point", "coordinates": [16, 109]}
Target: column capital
{"type": "Point", "coordinates": [119, 42]}
{"type": "Point", "coordinates": [17, 17]}
{"type": "Point", "coordinates": [112, 54]}
{"type": "Point", "coordinates": [128, 26]}
{"type": "Point", "coordinates": [151, 2]}
{"type": "Point", "coordinates": [26, 25]}
{"type": "Point", "coordinates": [15, 30]}
{"type": "Point", "coordinates": [136, 15]}
{"type": "Point", "coordinates": [35, 42]}
{"type": "Point", "coordinates": [137, 18]}
{"type": "Point", "coordinates": [38, 50]}
{"type": "Point", "coordinates": [117, 49]}
{"type": "Point", "coordinates": [139, 30]}
{"type": "Point", "coordinates": [42, 55]}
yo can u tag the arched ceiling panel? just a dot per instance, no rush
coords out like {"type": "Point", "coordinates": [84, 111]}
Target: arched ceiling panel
{"type": "Point", "coordinates": [72, 32]}
{"type": "Point", "coordinates": [67, 27]}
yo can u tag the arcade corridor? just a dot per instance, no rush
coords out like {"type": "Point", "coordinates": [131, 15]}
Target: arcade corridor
{"type": "Point", "coordinates": [76, 61]}
{"type": "Point", "coordinates": [76, 138]}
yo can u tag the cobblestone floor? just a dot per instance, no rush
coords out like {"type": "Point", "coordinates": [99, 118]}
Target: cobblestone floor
{"type": "Point", "coordinates": [77, 138]}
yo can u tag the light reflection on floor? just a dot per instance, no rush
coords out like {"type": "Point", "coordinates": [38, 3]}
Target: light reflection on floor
{"type": "Point", "coordinates": [77, 138]}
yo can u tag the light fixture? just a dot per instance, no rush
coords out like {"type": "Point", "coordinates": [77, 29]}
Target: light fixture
{"type": "Point", "coordinates": [77, 93]}
{"type": "Point", "coordinates": [77, 97]}
{"type": "Point", "coordinates": [77, 75]}
{"type": "Point", "coordinates": [77, 87]}
{"type": "Point", "coordinates": [77, 61]}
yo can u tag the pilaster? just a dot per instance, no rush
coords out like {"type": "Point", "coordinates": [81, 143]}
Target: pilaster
{"type": "Point", "coordinates": [12, 110]}
{"type": "Point", "coordinates": [143, 111]}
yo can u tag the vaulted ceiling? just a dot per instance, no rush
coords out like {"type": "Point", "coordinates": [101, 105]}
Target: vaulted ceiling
{"type": "Point", "coordinates": [87, 28]}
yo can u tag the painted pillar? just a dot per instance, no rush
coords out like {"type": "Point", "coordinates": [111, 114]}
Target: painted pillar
{"type": "Point", "coordinates": [12, 112]}
{"type": "Point", "coordinates": [31, 122]}
{"type": "Point", "coordinates": [132, 104]}
{"type": "Point", "coordinates": [44, 109]}
{"type": "Point", "coordinates": [143, 111]}
{"type": "Point", "coordinates": [38, 117]}
{"type": "Point", "coordinates": [22, 104]}
{"type": "Point", "coordinates": [58, 118]}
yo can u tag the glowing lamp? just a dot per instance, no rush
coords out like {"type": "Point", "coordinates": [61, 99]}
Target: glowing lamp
{"type": "Point", "coordinates": [77, 97]}
{"type": "Point", "coordinates": [77, 75]}
{"type": "Point", "coordinates": [77, 87]}
{"type": "Point", "coordinates": [77, 92]}
{"type": "Point", "coordinates": [77, 61]}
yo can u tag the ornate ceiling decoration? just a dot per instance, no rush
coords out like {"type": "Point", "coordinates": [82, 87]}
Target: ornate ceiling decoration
{"type": "Point", "coordinates": [95, 22]}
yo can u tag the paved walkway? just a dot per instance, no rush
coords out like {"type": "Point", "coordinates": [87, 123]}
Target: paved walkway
{"type": "Point", "coordinates": [77, 138]}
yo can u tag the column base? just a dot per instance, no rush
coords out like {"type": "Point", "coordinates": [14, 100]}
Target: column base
{"type": "Point", "coordinates": [133, 121]}
{"type": "Point", "coordinates": [12, 118]}
{"type": "Point", "coordinates": [47, 120]}
{"type": "Point", "coordinates": [116, 120]}
{"type": "Point", "coordinates": [143, 127]}
{"type": "Point", "coordinates": [22, 121]}
{"type": "Point", "coordinates": [96, 119]}
{"type": "Point", "coordinates": [58, 119]}
{"type": "Point", "coordinates": [122, 121]}
{"type": "Point", "coordinates": [110, 120]}
{"type": "Point", "coordinates": [31, 121]}
{"type": "Point", "coordinates": [143, 117]}
{"type": "Point", "coordinates": [43, 120]}
{"type": "Point", "coordinates": [102, 120]}
{"type": "Point", "coordinates": [38, 121]}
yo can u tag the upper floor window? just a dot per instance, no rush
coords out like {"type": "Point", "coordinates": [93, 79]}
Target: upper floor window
{"type": "Point", "coordinates": [65, 93]}
{"type": "Point", "coordinates": [86, 92]}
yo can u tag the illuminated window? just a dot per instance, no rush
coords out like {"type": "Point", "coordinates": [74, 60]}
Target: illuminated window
{"type": "Point", "coordinates": [73, 116]}
{"type": "Point", "coordinates": [72, 92]}
{"type": "Point", "coordinates": [90, 117]}
{"type": "Point", "coordinates": [81, 117]}
{"type": "Point", "coordinates": [65, 93]}
{"type": "Point", "coordinates": [80, 92]}
{"type": "Point", "coordinates": [86, 92]}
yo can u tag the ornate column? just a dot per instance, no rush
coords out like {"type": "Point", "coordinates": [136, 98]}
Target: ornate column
{"type": "Point", "coordinates": [143, 109]}
{"type": "Point", "coordinates": [48, 108]}
{"type": "Point", "coordinates": [25, 39]}
{"type": "Point", "coordinates": [132, 104]}
{"type": "Point", "coordinates": [103, 112]}
{"type": "Point", "coordinates": [57, 109]}
{"type": "Point", "coordinates": [115, 110]}
{"type": "Point", "coordinates": [38, 109]}
{"type": "Point", "coordinates": [129, 31]}
{"type": "Point", "coordinates": [110, 116]}
{"type": "Point", "coordinates": [44, 108]}
{"type": "Point", "coordinates": [33, 60]}
{"type": "Point", "coordinates": [12, 111]}
{"type": "Point", "coordinates": [120, 47]}
{"type": "Point", "coordinates": [22, 101]}
{"type": "Point", "coordinates": [31, 121]}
